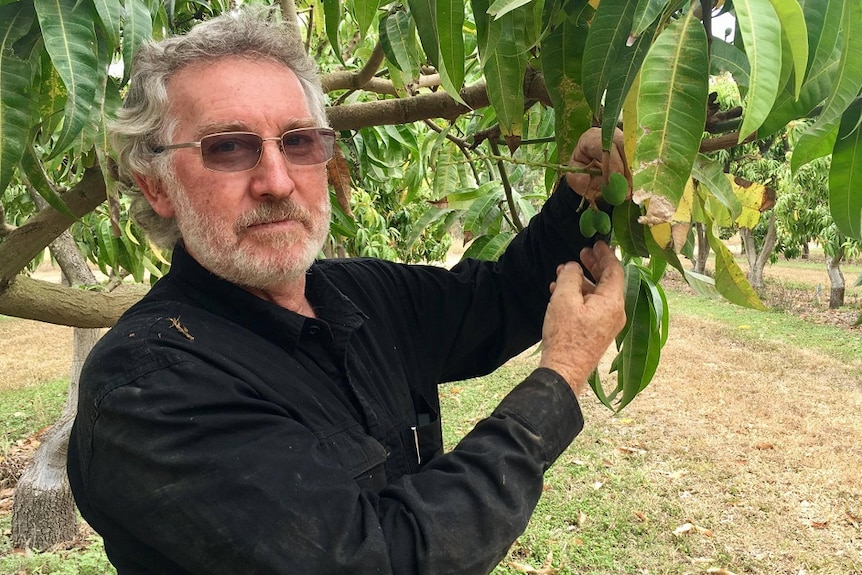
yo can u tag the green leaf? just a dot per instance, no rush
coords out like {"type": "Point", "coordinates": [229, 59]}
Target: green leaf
{"type": "Point", "coordinates": [451, 60]}
{"type": "Point", "coordinates": [793, 29]}
{"type": "Point", "coordinates": [672, 100]}
{"type": "Point", "coordinates": [823, 22]}
{"type": "Point", "coordinates": [504, 68]}
{"type": "Point", "coordinates": [108, 245]}
{"type": "Point", "coordinates": [502, 7]}
{"type": "Point", "coordinates": [845, 174]}
{"type": "Point", "coordinates": [15, 80]}
{"type": "Point", "coordinates": [725, 57]}
{"type": "Point", "coordinates": [730, 281]}
{"type": "Point", "coordinates": [70, 39]}
{"type": "Point", "coordinates": [710, 173]}
{"type": "Point", "coordinates": [332, 16]}
{"type": "Point", "coordinates": [32, 167]}
{"type": "Point", "coordinates": [489, 248]}
{"type": "Point", "coordinates": [760, 29]}
{"type": "Point", "coordinates": [364, 12]}
{"type": "Point", "coordinates": [628, 232]}
{"type": "Point", "coordinates": [110, 13]}
{"type": "Point", "coordinates": [431, 215]}
{"type": "Point", "coordinates": [608, 34]}
{"type": "Point", "coordinates": [787, 108]}
{"type": "Point", "coordinates": [137, 29]}
{"type": "Point", "coordinates": [646, 12]}
{"type": "Point", "coordinates": [848, 83]}
{"type": "Point", "coordinates": [561, 55]}
{"type": "Point", "coordinates": [623, 74]}
{"type": "Point", "coordinates": [397, 37]}
{"type": "Point", "coordinates": [424, 14]}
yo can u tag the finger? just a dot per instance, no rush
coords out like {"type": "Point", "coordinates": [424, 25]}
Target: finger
{"type": "Point", "coordinates": [570, 277]}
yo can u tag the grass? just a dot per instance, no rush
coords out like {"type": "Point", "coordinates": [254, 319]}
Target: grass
{"type": "Point", "coordinates": [625, 499]}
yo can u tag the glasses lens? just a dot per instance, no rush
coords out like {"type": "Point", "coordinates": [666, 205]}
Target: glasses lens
{"type": "Point", "coordinates": [231, 151]}
{"type": "Point", "coordinates": [308, 146]}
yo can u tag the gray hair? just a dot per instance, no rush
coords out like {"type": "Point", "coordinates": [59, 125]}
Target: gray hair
{"type": "Point", "coordinates": [144, 123]}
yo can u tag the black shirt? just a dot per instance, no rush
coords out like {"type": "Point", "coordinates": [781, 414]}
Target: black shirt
{"type": "Point", "coordinates": [220, 433]}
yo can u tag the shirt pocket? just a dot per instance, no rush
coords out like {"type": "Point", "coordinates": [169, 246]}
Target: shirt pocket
{"type": "Point", "coordinates": [423, 441]}
{"type": "Point", "coordinates": [359, 454]}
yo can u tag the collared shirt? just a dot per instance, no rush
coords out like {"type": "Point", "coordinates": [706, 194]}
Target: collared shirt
{"type": "Point", "coordinates": [220, 433]}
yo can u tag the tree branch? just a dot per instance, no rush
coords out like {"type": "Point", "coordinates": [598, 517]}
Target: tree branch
{"type": "Point", "coordinates": [29, 298]}
{"type": "Point", "coordinates": [355, 80]}
{"type": "Point", "coordinates": [25, 242]}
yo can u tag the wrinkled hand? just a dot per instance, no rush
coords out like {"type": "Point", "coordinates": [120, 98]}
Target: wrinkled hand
{"type": "Point", "coordinates": [588, 154]}
{"type": "Point", "coordinates": [582, 319]}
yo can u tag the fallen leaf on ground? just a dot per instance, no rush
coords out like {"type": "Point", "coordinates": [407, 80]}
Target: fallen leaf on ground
{"type": "Point", "coordinates": [719, 571]}
{"type": "Point", "coordinates": [640, 516]}
{"type": "Point", "coordinates": [763, 446]}
{"type": "Point", "coordinates": [545, 569]}
{"type": "Point", "coordinates": [630, 450]}
{"type": "Point", "coordinates": [820, 524]}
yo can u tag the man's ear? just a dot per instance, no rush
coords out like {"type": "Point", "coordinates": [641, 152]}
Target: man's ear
{"type": "Point", "coordinates": [154, 191]}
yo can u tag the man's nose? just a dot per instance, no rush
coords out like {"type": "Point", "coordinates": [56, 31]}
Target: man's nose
{"type": "Point", "coordinates": [272, 176]}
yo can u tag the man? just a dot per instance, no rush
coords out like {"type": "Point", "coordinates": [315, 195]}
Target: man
{"type": "Point", "coordinates": [259, 412]}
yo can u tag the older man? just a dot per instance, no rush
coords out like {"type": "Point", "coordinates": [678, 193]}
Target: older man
{"type": "Point", "coordinates": [260, 412]}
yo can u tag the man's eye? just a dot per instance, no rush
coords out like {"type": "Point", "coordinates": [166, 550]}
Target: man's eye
{"type": "Point", "coordinates": [229, 145]}
{"type": "Point", "coordinates": [298, 141]}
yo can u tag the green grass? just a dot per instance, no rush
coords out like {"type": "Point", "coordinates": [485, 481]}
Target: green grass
{"type": "Point", "coordinates": [27, 410]}
{"type": "Point", "coordinates": [773, 327]}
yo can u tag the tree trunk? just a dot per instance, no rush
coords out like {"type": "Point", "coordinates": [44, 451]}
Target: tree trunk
{"type": "Point", "coordinates": [757, 261]}
{"type": "Point", "coordinates": [702, 249]}
{"type": "Point", "coordinates": [836, 278]}
{"type": "Point", "coordinates": [43, 513]}
{"type": "Point", "coordinates": [806, 250]}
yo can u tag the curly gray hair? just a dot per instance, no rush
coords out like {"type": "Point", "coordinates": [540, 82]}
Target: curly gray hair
{"type": "Point", "coordinates": [143, 123]}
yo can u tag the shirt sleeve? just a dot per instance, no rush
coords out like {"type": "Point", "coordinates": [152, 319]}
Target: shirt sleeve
{"type": "Point", "coordinates": [191, 465]}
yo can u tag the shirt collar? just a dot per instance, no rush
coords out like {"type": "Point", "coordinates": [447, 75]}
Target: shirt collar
{"type": "Point", "coordinates": [281, 326]}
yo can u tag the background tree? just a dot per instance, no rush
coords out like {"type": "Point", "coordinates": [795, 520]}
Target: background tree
{"type": "Point", "coordinates": [527, 77]}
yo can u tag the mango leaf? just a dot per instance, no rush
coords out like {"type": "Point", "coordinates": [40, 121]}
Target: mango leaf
{"type": "Point", "coordinates": [848, 83]}
{"type": "Point", "coordinates": [397, 37]}
{"type": "Point", "coordinates": [845, 175]}
{"type": "Point", "coordinates": [725, 57]}
{"type": "Point", "coordinates": [672, 98]}
{"type": "Point", "coordinates": [137, 29]}
{"type": "Point", "coordinates": [628, 233]}
{"type": "Point", "coordinates": [364, 12]}
{"type": "Point", "coordinates": [608, 34]}
{"type": "Point", "coordinates": [823, 22]}
{"type": "Point", "coordinates": [787, 108]}
{"type": "Point", "coordinates": [640, 346]}
{"type": "Point", "coordinates": [502, 7]}
{"type": "Point", "coordinates": [646, 12]}
{"type": "Point", "coordinates": [15, 80]}
{"type": "Point", "coordinates": [70, 39]}
{"type": "Point", "coordinates": [332, 16]}
{"type": "Point", "coordinates": [424, 14]}
{"type": "Point", "coordinates": [32, 168]}
{"type": "Point", "coordinates": [623, 74]}
{"type": "Point", "coordinates": [489, 247]}
{"type": "Point", "coordinates": [561, 56]}
{"type": "Point", "coordinates": [431, 215]}
{"type": "Point", "coordinates": [711, 174]}
{"type": "Point", "coordinates": [562, 53]}
{"type": "Point", "coordinates": [761, 33]}
{"type": "Point", "coordinates": [110, 13]}
{"type": "Point", "coordinates": [702, 284]}
{"type": "Point", "coordinates": [794, 32]}
{"type": "Point", "coordinates": [451, 60]}
{"type": "Point", "coordinates": [504, 68]}
{"type": "Point", "coordinates": [730, 281]}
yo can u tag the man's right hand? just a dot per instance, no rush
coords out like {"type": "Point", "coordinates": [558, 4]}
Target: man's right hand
{"type": "Point", "coordinates": [582, 319]}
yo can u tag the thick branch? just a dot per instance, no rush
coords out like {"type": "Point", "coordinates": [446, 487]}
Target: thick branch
{"type": "Point", "coordinates": [425, 106]}
{"type": "Point", "coordinates": [29, 298]}
{"type": "Point", "coordinates": [24, 243]}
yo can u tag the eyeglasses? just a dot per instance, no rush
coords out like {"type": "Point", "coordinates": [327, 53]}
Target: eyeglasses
{"type": "Point", "coordinates": [241, 151]}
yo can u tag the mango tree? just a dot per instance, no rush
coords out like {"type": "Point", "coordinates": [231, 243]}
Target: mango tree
{"type": "Point", "coordinates": [503, 87]}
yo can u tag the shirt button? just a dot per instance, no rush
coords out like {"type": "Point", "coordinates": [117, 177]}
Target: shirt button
{"type": "Point", "coordinates": [313, 330]}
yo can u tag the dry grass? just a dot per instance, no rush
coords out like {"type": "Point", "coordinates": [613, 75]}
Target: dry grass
{"type": "Point", "coordinates": [32, 352]}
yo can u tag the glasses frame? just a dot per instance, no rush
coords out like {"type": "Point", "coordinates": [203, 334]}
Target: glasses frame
{"type": "Point", "coordinates": [324, 132]}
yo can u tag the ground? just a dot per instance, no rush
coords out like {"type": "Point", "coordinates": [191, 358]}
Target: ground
{"type": "Point", "coordinates": [761, 444]}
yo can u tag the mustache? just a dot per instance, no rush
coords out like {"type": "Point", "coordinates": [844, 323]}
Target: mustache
{"type": "Point", "coordinates": [275, 211]}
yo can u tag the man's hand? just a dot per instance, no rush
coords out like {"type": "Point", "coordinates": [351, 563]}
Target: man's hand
{"type": "Point", "coordinates": [588, 154]}
{"type": "Point", "coordinates": [582, 319]}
